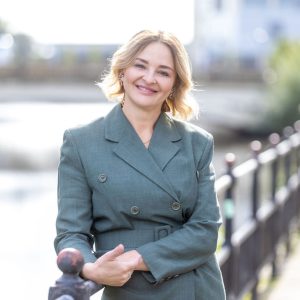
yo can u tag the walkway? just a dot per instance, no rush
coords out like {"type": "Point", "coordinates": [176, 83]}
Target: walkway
{"type": "Point", "coordinates": [288, 285]}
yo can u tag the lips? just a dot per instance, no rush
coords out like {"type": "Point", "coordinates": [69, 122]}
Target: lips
{"type": "Point", "coordinates": [146, 90]}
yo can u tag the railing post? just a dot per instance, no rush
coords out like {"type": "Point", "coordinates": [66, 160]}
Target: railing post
{"type": "Point", "coordinates": [297, 129]}
{"type": "Point", "coordinates": [297, 153]}
{"type": "Point", "coordinates": [274, 140]}
{"type": "Point", "coordinates": [287, 132]}
{"type": "Point", "coordinates": [229, 211]}
{"type": "Point", "coordinates": [69, 286]}
{"type": "Point", "coordinates": [229, 200]}
{"type": "Point", "coordinates": [256, 148]}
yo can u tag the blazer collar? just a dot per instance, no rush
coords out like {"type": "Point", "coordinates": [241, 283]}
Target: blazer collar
{"type": "Point", "coordinates": [163, 146]}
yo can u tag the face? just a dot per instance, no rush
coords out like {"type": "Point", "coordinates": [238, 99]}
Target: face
{"type": "Point", "coordinates": [149, 80]}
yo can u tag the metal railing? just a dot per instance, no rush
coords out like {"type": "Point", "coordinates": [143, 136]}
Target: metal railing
{"type": "Point", "coordinates": [270, 184]}
{"type": "Point", "coordinates": [260, 202]}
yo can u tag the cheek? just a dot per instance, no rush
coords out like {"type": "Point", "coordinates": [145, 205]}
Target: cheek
{"type": "Point", "coordinates": [168, 86]}
{"type": "Point", "coordinates": [129, 76]}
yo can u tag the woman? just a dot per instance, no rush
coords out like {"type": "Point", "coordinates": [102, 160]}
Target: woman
{"type": "Point", "coordinates": [136, 188]}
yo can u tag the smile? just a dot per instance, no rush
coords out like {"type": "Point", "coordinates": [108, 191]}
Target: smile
{"type": "Point", "coordinates": [145, 89]}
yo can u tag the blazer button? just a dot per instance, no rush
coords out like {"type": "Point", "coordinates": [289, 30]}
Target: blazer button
{"type": "Point", "coordinates": [134, 210]}
{"type": "Point", "coordinates": [102, 177]}
{"type": "Point", "coordinates": [175, 205]}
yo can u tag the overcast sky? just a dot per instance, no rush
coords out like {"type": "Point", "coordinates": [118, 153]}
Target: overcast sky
{"type": "Point", "coordinates": [97, 21]}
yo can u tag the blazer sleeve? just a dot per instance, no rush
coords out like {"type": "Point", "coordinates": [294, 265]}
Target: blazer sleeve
{"type": "Point", "coordinates": [191, 246]}
{"type": "Point", "coordinates": [74, 218]}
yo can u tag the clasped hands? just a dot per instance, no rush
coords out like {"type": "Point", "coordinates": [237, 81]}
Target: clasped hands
{"type": "Point", "coordinates": [115, 267]}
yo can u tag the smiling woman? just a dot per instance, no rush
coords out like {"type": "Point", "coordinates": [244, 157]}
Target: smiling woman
{"type": "Point", "coordinates": [96, 22]}
{"type": "Point", "coordinates": [138, 185]}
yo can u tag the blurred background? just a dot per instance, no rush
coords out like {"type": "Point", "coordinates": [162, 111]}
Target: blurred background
{"type": "Point", "coordinates": [245, 56]}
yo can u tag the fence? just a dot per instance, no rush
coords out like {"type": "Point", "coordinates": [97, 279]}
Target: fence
{"type": "Point", "coordinates": [263, 192]}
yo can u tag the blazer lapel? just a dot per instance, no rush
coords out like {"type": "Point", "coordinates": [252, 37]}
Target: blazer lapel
{"type": "Point", "coordinates": [164, 146]}
{"type": "Point", "coordinates": [130, 148]}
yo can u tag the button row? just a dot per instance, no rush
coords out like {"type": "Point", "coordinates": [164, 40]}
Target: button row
{"type": "Point", "coordinates": [135, 209]}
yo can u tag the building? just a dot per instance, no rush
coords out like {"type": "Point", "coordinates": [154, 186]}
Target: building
{"type": "Point", "coordinates": [238, 35]}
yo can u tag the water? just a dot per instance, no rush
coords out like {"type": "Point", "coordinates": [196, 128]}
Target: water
{"type": "Point", "coordinates": [30, 137]}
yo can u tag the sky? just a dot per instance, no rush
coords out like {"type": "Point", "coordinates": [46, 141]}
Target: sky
{"type": "Point", "coordinates": [96, 21]}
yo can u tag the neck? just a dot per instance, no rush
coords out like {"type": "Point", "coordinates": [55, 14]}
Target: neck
{"type": "Point", "coordinates": [141, 118]}
{"type": "Point", "coordinates": [142, 121]}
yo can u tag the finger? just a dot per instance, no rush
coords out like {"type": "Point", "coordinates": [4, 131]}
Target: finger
{"type": "Point", "coordinates": [113, 254]}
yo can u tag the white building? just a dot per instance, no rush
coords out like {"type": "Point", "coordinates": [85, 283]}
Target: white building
{"type": "Point", "coordinates": [240, 34]}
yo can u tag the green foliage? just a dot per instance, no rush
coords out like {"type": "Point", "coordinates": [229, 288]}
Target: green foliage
{"type": "Point", "coordinates": [284, 93]}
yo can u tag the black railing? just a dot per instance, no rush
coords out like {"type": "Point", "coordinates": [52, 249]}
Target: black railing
{"type": "Point", "coordinates": [260, 201]}
{"type": "Point", "coordinates": [272, 192]}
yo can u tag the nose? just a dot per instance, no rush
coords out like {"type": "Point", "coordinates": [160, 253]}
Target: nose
{"type": "Point", "coordinates": [149, 77]}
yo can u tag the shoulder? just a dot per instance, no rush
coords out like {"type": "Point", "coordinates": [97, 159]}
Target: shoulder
{"type": "Point", "coordinates": [85, 133]}
{"type": "Point", "coordinates": [192, 131]}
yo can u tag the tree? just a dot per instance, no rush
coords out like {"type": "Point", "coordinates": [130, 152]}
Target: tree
{"type": "Point", "coordinates": [284, 93]}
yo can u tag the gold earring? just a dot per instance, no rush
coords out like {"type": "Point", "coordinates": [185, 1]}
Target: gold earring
{"type": "Point", "coordinates": [123, 100]}
{"type": "Point", "coordinates": [172, 93]}
{"type": "Point", "coordinates": [121, 75]}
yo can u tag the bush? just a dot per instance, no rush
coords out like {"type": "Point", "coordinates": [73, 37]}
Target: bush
{"type": "Point", "coordinates": [283, 101]}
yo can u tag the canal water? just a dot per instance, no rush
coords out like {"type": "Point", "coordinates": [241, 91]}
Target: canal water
{"type": "Point", "coordinates": [30, 137]}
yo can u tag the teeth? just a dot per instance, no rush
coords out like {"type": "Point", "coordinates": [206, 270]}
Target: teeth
{"type": "Point", "coordinates": [145, 89]}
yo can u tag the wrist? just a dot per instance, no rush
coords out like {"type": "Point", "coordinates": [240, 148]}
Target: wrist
{"type": "Point", "coordinates": [87, 271]}
{"type": "Point", "coordinates": [141, 265]}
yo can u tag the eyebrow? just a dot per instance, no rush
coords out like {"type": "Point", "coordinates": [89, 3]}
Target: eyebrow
{"type": "Point", "coordinates": [160, 66]}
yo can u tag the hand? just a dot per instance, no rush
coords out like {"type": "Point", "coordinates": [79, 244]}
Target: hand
{"type": "Point", "coordinates": [133, 255]}
{"type": "Point", "coordinates": [108, 270]}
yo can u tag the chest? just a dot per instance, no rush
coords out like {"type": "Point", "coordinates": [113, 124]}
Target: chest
{"type": "Point", "coordinates": [119, 186]}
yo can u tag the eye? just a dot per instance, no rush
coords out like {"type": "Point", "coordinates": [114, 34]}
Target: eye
{"type": "Point", "coordinates": [164, 73]}
{"type": "Point", "coordinates": [139, 66]}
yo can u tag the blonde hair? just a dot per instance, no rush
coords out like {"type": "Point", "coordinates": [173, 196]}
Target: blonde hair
{"type": "Point", "coordinates": [178, 103]}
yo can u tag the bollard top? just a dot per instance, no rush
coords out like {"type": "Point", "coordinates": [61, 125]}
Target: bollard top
{"type": "Point", "coordinates": [256, 147]}
{"type": "Point", "coordinates": [70, 261]}
{"type": "Point", "coordinates": [230, 159]}
{"type": "Point", "coordinates": [288, 131]}
{"type": "Point", "coordinates": [274, 139]}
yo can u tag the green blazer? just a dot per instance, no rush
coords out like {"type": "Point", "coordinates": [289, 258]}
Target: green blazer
{"type": "Point", "coordinates": [160, 201]}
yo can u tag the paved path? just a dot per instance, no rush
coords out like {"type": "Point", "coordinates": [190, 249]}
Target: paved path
{"type": "Point", "coordinates": [288, 285]}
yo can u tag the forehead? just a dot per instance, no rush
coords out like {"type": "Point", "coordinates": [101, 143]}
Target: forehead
{"type": "Point", "coordinates": [157, 53]}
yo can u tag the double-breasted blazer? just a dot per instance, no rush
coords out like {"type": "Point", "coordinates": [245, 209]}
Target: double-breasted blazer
{"type": "Point", "coordinates": [160, 201]}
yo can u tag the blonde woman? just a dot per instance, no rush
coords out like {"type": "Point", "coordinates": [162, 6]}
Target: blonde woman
{"type": "Point", "coordinates": [136, 188]}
